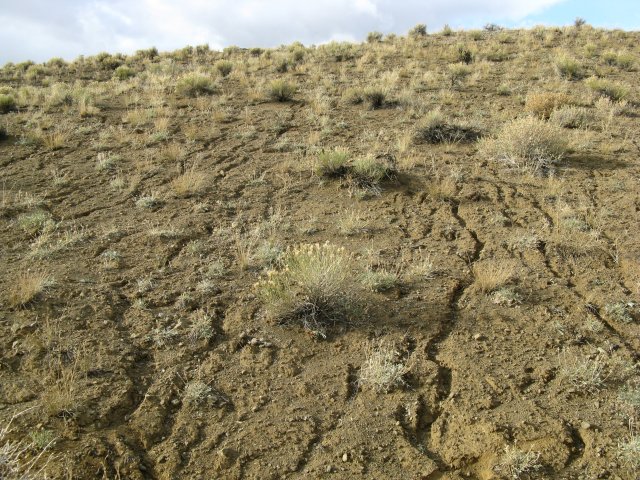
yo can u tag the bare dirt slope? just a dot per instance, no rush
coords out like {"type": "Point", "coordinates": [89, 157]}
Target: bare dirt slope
{"type": "Point", "coordinates": [141, 219]}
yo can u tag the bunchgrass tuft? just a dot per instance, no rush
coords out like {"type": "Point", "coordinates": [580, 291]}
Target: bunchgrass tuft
{"type": "Point", "coordinates": [332, 163]}
{"type": "Point", "coordinates": [527, 143]}
{"type": "Point", "coordinates": [195, 85]}
{"type": "Point", "coordinates": [281, 90]}
{"type": "Point", "coordinates": [313, 286]}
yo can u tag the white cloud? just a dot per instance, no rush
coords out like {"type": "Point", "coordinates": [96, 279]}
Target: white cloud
{"type": "Point", "coordinates": [41, 29]}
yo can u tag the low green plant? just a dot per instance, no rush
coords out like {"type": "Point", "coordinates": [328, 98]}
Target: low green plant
{"type": "Point", "coordinates": [34, 223]}
{"type": "Point", "coordinates": [464, 54]}
{"type": "Point", "coordinates": [620, 311]}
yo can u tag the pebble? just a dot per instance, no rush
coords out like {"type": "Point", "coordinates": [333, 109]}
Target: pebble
{"type": "Point", "coordinates": [478, 337]}
{"type": "Point", "coordinates": [329, 468]}
{"type": "Point", "coordinates": [585, 425]}
{"type": "Point", "coordinates": [345, 457]}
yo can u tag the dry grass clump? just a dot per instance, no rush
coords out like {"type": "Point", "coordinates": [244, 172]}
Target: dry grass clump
{"type": "Point", "coordinates": [314, 286]}
{"type": "Point", "coordinates": [281, 90]}
{"type": "Point", "coordinates": [568, 68]}
{"type": "Point", "coordinates": [332, 163]}
{"type": "Point", "coordinates": [194, 85]}
{"type": "Point", "coordinates": [369, 171]}
{"type": "Point", "coordinates": [380, 280]}
{"type": "Point", "coordinates": [191, 182]}
{"type": "Point", "coordinates": [583, 372]}
{"type": "Point", "coordinates": [224, 67]}
{"type": "Point", "coordinates": [528, 143]}
{"type": "Point", "coordinates": [628, 451]}
{"type": "Point", "coordinates": [419, 30]}
{"type": "Point", "coordinates": [27, 286]}
{"type": "Point", "coordinates": [7, 103]}
{"type": "Point", "coordinates": [621, 59]}
{"type": "Point", "coordinates": [542, 104]}
{"type": "Point", "coordinates": [516, 464]}
{"type": "Point", "coordinates": [434, 129]}
{"type": "Point", "coordinates": [607, 88]}
{"type": "Point", "coordinates": [490, 275]}
{"type": "Point", "coordinates": [196, 393]}
{"type": "Point", "coordinates": [572, 117]}
{"type": "Point", "coordinates": [16, 460]}
{"type": "Point", "coordinates": [375, 97]}
{"type": "Point", "coordinates": [374, 37]}
{"type": "Point", "coordinates": [35, 223]}
{"type": "Point", "coordinates": [123, 72]}
{"type": "Point", "coordinates": [383, 369]}
{"type": "Point", "coordinates": [365, 172]}
{"type": "Point", "coordinates": [352, 223]}
{"type": "Point", "coordinates": [620, 311]}
{"type": "Point", "coordinates": [457, 72]}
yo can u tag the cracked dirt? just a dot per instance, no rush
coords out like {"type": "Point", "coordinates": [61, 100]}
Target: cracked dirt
{"type": "Point", "coordinates": [103, 357]}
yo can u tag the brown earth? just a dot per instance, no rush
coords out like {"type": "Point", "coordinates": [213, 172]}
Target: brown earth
{"type": "Point", "coordinates": [101, 358]}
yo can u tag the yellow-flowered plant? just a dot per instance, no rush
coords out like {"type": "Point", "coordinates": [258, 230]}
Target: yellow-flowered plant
{"type": "Point", "coordinates": [314, 285]}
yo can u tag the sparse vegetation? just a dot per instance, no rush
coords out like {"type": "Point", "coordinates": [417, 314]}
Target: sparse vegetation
{"type": "Point", "coordinates": [7, 103]}
{"type": "Point", "coordinates": [584, 373]}
{"type": "Point", "coordinates": [490, 275]}
{"type": "Point", "coordinates": [487, 290]}
{"type": "Point", "coordinates": [380, 280]}
{"type": "Point", "coordinates": [332, 163]}
{"type": "Point", "coordinates": [434, 128]}
{"type": "Point", "coordinates": [527, 143]}
{"type": "Point", "coordinates": [607, 88]}
{"type": "Point", "coordinates": [419, 30]}
{"type": "Point", "coordinates": [314, 287]}
{"type": "Point", "coordinates": [568, 68]}
{"type": "Point", "coordinates": [383, 369]}
{"type": "Point", "coordinates": [189, 183]}
{"type": "Point", "coordinates": [517, 464]}
{"type": "Point", "coordinates": [124, 72]}
{"type": "Point", "coordinates": [224, 67]}
{"type": "Point", "coordinates": [27, 286]}
{"type": "Point", "coordinates": [543, 104]}
{"type": "Point", "coordinates": [281, 90]}
{"type": "Point", "coordinates": [194, 85]}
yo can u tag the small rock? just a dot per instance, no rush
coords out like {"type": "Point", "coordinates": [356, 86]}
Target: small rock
{"type": "Point", "coordinates": [329, 468]}
{"type": "Point", "coordinates": [585, 425]}
{"type": "Point", "coordinates": [345, 457]}
{"type": "Point", "coordinates": [478, 337]}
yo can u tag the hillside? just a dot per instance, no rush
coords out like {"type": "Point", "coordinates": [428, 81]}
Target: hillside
{"type": "Point", "coordinates": [412, 258]}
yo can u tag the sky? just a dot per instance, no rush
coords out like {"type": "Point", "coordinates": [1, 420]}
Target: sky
{"type": "Point", "coordinates": [41, 29]}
